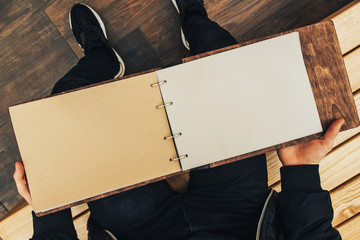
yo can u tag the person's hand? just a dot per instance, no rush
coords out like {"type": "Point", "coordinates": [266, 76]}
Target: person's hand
{"type": "Point", "coordinates": [21, 184]}
{"type": "Point", "coordinates": [310, 152]}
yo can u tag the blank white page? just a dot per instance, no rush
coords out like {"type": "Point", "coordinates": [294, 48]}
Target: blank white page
{"type": "Point", "coordinates": [239, 101]}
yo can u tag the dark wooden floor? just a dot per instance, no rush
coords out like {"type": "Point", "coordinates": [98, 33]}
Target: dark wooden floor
{"type": "Point", "coordinates": [37, 46]}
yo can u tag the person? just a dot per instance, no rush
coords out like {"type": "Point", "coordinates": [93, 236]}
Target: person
{"type": "Point", "coordinates": [232, 201]}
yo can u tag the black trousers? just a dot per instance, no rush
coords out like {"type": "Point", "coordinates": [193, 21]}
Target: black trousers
{"type": "Point", "coordinates": [221, 203]}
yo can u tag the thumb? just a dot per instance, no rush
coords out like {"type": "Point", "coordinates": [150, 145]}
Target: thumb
{"type": "Point", "coordinates": [332, 132]}
{"type": "Point", "coordinates": [19, 174]}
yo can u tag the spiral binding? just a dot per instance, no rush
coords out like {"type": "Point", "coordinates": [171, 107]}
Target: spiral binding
{"type": "Point", "coordinates": [175, 135]}
{"type": "Point", "coordinates": [179, 158]}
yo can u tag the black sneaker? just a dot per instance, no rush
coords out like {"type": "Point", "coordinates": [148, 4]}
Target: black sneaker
{"type": "Point", "coordinates": [89, 31]}
{"type": "Point", "coordinates": [180, 6]}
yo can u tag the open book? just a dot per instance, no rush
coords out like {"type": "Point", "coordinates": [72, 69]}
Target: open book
{"type": "Point", "coordinates": [87, 143]}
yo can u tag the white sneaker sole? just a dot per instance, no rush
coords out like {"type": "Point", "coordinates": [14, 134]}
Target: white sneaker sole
{"type": "Point", "coordinates": [102, 25]}
{"type": "Point", "coordinates": [185, 42]}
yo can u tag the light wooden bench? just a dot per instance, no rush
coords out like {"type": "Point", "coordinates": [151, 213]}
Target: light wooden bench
{"type": "Point", "coordinates": [340, 169]}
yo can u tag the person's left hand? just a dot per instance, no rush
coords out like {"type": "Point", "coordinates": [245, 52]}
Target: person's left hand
{"type": "Point", "coordinates": [21, 184]}
{"type": "Point", "coordinates": [311, 152]}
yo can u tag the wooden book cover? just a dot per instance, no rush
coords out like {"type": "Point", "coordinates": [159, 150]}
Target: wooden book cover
{"type": "Point", "coordinates": [110, 137]}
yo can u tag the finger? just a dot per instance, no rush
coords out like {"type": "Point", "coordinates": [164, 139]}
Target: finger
{"type": "Point", "coordinates": [332, 132]}
{"type": "Point", "coordinates": [20, 181]}
{"type": "Point", "coordinates": [24, 192]}
{"type": "Point", "coordinates": [19, 174]}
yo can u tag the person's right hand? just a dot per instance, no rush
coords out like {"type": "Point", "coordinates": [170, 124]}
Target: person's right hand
{"type": "Point", "coordinates": [21, 184]}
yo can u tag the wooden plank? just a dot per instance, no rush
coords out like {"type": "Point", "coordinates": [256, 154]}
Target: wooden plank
{"type": "Point", "coordinates": [347, 24]}
{"type": "Point", "coordinates": [3, 211]}
{"type": "Point", "coordinates": [19, 224]}
{"type": "Point", "coordinates": [34, 56]}
{"type": "Point", "coordinates": [273, 166]}
{"type": "Point", "coordinates": [339, 165]}
{"type": "Point", "coordinates": [352, 63]}
{"type": "Point", "coordinates": [346, 200]}
{"type": "Point", "coordinates": [80, 226]}
{"type": "Point", "coordinates": [342, 164]}
{"type": "Point", "coordinates": [345, 135]}
{"type": "Point", "coordinates": [79, 210]}
{"type": "Point", "coordinates": [259, 18]}
{"type": "Point", "coordinates": [350, 230]}
{"type": "Point", "coordinates": [121, 19]}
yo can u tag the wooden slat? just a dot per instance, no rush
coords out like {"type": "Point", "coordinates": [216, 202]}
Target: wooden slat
{"type": "Point", "coordinates": [274, 162]}
{"type": "Point", "coordinates": [80, 226]}
{"type": "Point", "coordinates": [79, 209]}
{"type": "Point", "coordinates": [273, 166]}
{"type": "Point", "coordinates": [347, 24]}
{"type": "Point", "coordinates": [19, 225]}
{"type": "Point", "coordinates": [350, 230]}
{"type": "Point", "coordinates": [345, 135]}
{"type": "Point", "coordinates": [339, 165]}
{"type": "Point", "coordinates": [352, 64]}
{"type": "Point", "coordinates": [346, 200]}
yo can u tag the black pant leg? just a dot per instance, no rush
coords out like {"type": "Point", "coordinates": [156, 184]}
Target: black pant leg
{"type": "Point", "coordinates": [152, 211]}
{"type": "Point", "coordinates": [228, 199]}
{"type": "Point", "coordinates": [95, 67]}
{"type": "Point", "coordinates": [205, 35]}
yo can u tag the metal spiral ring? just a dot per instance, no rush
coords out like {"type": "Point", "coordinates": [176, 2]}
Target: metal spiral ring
{"type": "Point", "coordinates": [164, 105]}
{"type": "Point", "coordinates": [158, 84]}
{"type": "Point", "coordinates": [174, 136]}
{"type": "Point", "coordinates": [179, 158]}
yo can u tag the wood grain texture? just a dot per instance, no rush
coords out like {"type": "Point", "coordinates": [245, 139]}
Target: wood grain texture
{"type": "Point", "coordinates": [38, 46]}
{"type": "Point", "coordinates": [346, 200]}
{"type": "Point", "coordinates": [33, 57]}
{"type": "Point", "coordinates": [79, 210]}
{"type": "Point", "coordinates": [20, 226]}
{"type": "Point", "coordinates": [273, 166]}
{"type": "Point", "coordinates": [350, 229]}
{"type": "Point", "coordinates": [346, 158]}
{"type": "Point", "coordinates": [130, 27]}
{"type": "Point", "coordinates": [352, 62]}
{"type": "Point", "coordinates": [274, 161]}
{"type": "Point", "coordinates": [3, 211]}
{"type": "Point", "coordinates": [80, 226]}
{"type": "Point", "coordinates": [339, 165]}
{"type": "Point", "coordinates": [347, 25]}
{"type": "Point", "coordinates": [258, 18]}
